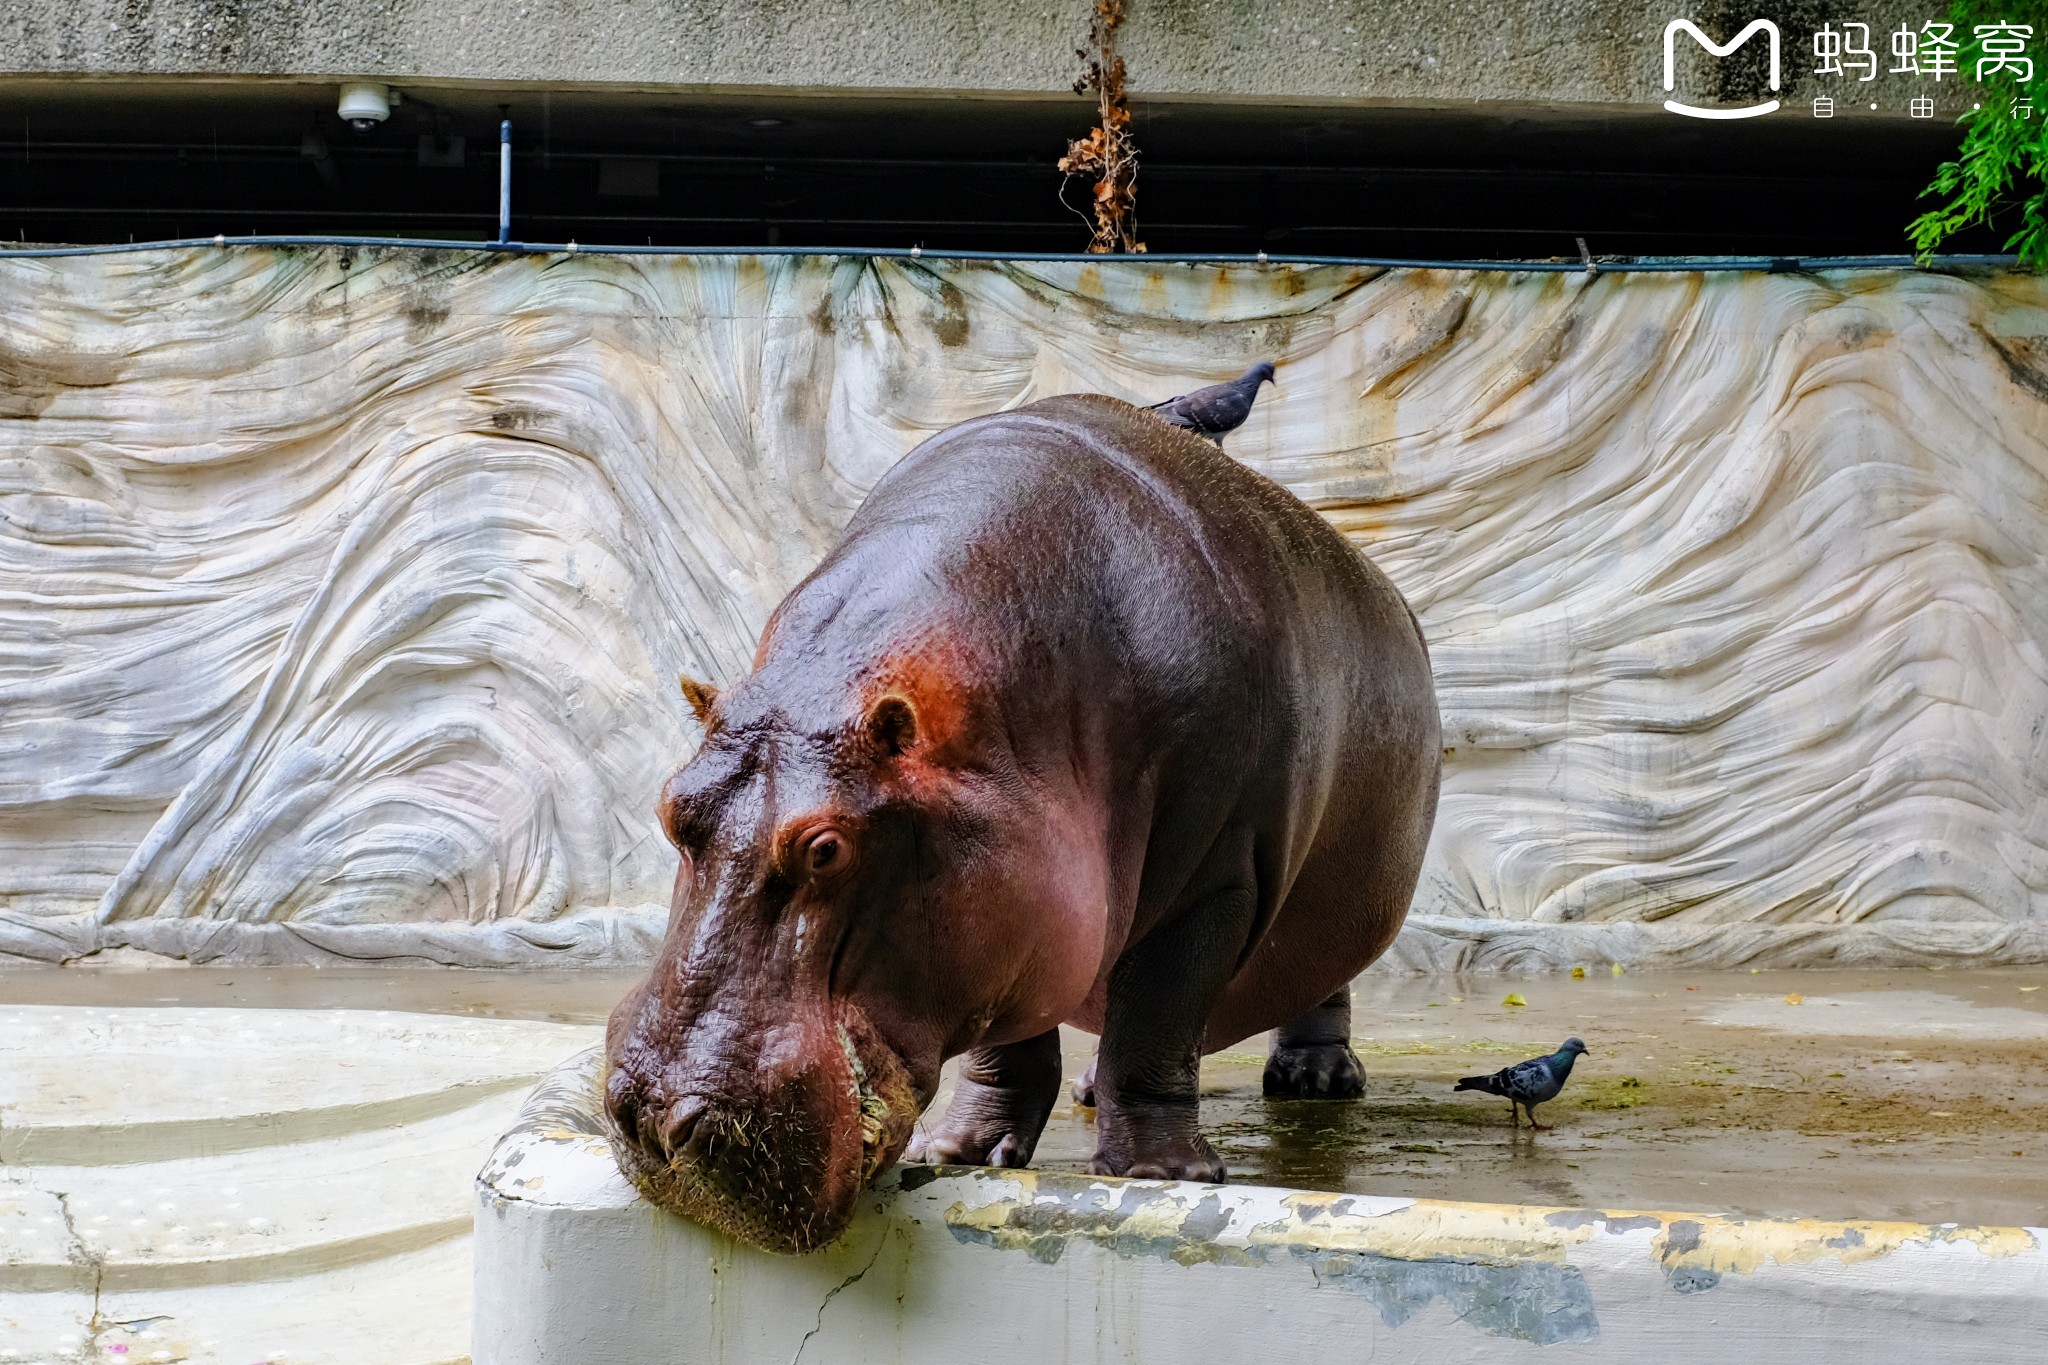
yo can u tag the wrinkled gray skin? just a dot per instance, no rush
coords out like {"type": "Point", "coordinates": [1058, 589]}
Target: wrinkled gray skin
{"type": "Point", "coordinates": [1080, 722]}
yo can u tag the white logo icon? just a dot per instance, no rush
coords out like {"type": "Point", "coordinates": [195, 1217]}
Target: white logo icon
{"type": "Point", "coordinates": [1688, 27]}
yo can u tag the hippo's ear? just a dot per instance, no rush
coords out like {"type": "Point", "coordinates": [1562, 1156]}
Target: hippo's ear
{"type": "Point", "coordinates": [701, 696]}
{"type": "Point", "coordinates": [892, 724]}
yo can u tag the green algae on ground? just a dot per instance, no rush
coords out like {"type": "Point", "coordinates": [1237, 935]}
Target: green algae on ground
{"type": "Point", "coordinates": [1625, 1092]}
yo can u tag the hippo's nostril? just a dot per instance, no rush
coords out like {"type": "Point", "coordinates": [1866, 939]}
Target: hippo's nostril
{"type": "Point", "coordinates": [622, 1098]}
{"type": "Point", "coordinates": [618, 1086]}
{"type": "Point", "coordinates": [683, 1132]}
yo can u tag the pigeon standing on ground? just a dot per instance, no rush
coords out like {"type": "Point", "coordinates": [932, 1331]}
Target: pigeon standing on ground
{"type": "Point", "coordinates": [1528, 1084]}
{"type": "Point", "coordinates": [1220, 408]}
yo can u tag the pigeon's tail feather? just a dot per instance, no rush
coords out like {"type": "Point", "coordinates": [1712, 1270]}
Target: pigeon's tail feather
{"type": "Point", "coordinates": [1490, 1084]}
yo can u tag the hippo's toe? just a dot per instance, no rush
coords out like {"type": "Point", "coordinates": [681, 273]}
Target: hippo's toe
{"type": "Point", "coordinates": [1190, 1158]}
{"type": "Point", "coordinates": [988, 1125]}
{"type": "Point", "coordinates": [948, 1148]}
{"type": "Point", "coordinates": [1324, 1071]}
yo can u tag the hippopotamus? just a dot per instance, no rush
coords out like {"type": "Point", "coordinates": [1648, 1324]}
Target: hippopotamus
{"type": "Point", "coordinates": [1082, 722]}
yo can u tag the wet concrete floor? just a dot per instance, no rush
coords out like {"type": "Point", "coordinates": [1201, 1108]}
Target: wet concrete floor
{"type": "Point", "coordinates": [1918, 1095]}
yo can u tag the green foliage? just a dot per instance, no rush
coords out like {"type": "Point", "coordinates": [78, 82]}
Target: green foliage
{"type": "Point", "coordinates": [2003, 162]}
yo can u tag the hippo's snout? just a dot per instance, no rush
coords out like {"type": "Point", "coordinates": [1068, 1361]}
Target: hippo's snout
{"type": "Point", "coordinates": [774, 1154]}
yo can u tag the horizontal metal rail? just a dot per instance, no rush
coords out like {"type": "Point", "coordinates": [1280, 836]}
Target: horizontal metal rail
{"type": "Point", "coordinates": [797, 222]}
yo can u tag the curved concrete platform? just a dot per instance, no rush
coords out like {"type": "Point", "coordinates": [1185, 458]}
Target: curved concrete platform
{"type": "Point", "coordinates": [956, 1264]}
{"type": "Point", "coordinates": [219, 1187]}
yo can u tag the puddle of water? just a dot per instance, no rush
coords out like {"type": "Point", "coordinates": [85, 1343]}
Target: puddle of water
{"type": "Point", "coordinates": [1907, 1099]}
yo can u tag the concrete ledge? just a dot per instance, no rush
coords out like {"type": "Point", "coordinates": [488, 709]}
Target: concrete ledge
{"type": "Point", "coordinates": [956, 1264]}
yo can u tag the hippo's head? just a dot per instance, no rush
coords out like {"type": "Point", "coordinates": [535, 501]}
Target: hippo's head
{"type": "Point", "coordinates": [816, 970]}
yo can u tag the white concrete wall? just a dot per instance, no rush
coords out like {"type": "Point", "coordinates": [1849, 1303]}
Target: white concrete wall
{"type": "Point", "coordinates": [342, 594]}
{"type": "Point", "coordinates": [1001, 1267]}
{"type": "Point", "coordinates": [1417, 52]}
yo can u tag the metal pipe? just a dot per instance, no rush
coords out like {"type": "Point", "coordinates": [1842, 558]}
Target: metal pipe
{"type": "Point", "coordinates": [1657, 265]}
{"type": "Point", "coordinates": [504, 182]}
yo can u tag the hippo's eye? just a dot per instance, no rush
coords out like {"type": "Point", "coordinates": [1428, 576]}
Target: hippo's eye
{"type": "Point", "coordinates": [824, 852]}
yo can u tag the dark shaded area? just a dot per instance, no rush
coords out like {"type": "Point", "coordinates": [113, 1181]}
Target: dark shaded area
{"type": "Point", "coordinates": [107, 162]}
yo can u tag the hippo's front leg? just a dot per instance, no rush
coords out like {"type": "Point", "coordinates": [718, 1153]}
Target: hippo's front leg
{"type": "Point", "coordinates": [1148, 1069]}
{"type": "Point", "coordinates": [999, 1107]}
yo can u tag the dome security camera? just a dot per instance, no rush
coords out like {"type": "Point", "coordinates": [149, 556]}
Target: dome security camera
{"type": "Point", "coordinates": [365, 104]}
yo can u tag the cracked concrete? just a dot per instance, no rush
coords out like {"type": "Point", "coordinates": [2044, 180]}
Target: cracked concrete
{"type": "Point", "coordinates": [79, 1254]}
{"type": "Point", "coordinates": [834, 1292]}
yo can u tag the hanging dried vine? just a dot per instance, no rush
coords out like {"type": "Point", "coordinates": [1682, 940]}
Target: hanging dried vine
{"type": "Point", "coordinates": [1108, 153]}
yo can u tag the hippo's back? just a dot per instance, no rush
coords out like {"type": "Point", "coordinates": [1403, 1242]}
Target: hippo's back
{"type": "Point", "coordinates": [1092, 502]}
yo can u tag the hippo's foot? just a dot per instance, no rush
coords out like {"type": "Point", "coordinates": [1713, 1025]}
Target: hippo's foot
{"type": "Point", "coordinates": [984, 1126]}
{"type": "Point", "coordinates": [999, 1107]}
{"type": "Point", "coordinates": [1312, 1057]}
{"type": "Point", "coordinates": [1148, 1143]}
{"type": "Point", "coordinates": [1319, 1071]}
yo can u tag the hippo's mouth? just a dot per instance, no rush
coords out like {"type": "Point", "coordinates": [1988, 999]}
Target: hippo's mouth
{"type": "Point", "coordinates": [873, 1110]}
{"type": "Point", "coordinates": [781, 1170]}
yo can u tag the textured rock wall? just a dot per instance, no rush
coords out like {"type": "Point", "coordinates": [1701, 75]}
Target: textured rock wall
{"type": "Point", "coordinates": [342, 595]}
{"type": "Point", "coordinates": [1416, 52]}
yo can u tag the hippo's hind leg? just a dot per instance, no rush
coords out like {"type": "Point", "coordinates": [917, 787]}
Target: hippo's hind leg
{"type": "Point", "coordinates": [999, 1107]}
{"type": "Point", "coordinates": [1312, 1057]}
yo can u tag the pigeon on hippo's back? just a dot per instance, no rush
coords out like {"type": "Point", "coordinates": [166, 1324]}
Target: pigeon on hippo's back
{"type": "Point", "coordinates": [1219, 409]}
{"type": "Point", "coordinates": [1528, 1084]}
